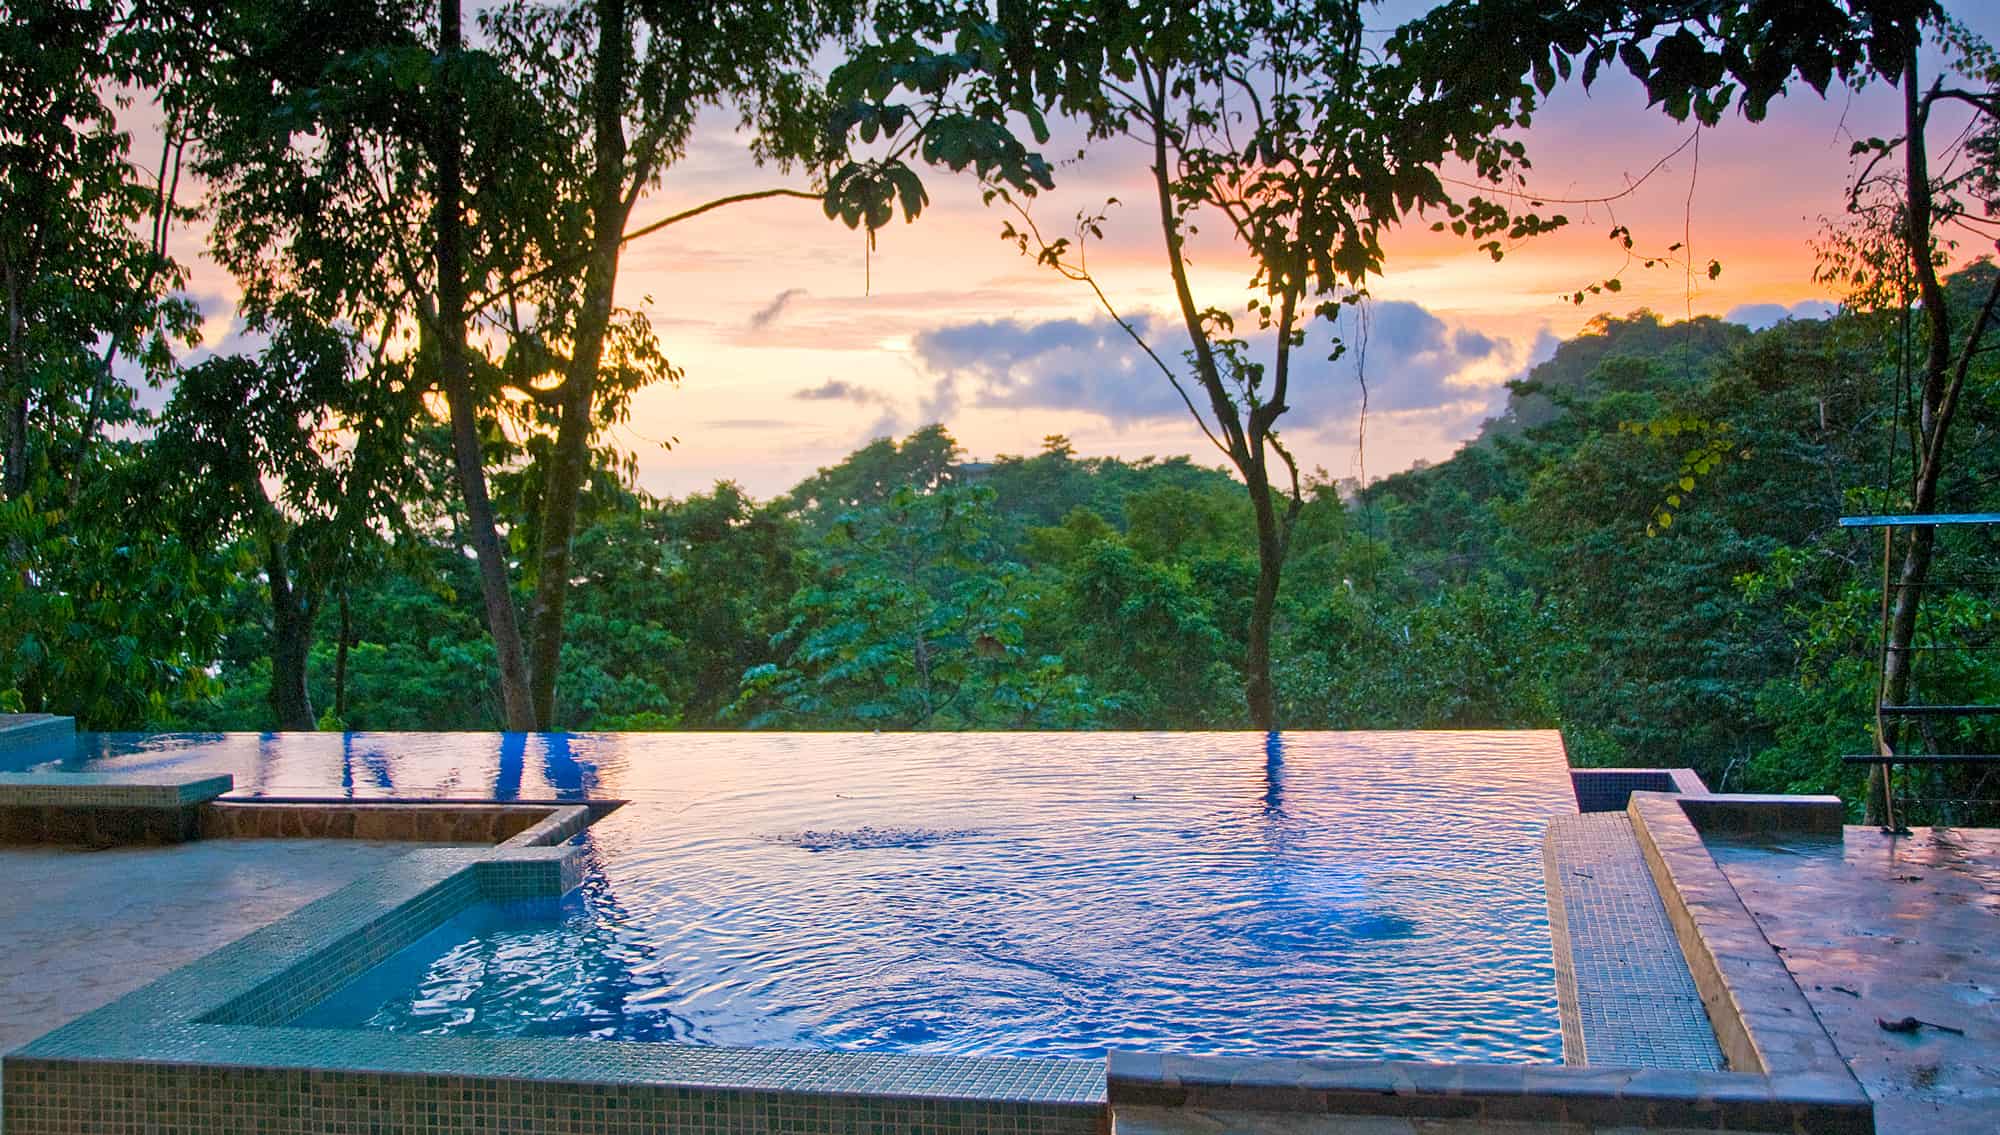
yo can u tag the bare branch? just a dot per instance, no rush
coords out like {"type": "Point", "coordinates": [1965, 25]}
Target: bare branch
{"type": "Point", "coordinates": [1987, 104]}
{"type": "Point", "coordinates": [1524, 195]}
{"type": "Point", "coordinates": [1948, 403]}
{"type": "Point", "coordinates": [570, 262]}
{"type": "Point", "coordinates": [1082, 275]}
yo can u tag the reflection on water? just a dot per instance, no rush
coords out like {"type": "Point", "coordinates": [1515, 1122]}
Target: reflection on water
{"type": "Point", "coordinates": [1029, 894]}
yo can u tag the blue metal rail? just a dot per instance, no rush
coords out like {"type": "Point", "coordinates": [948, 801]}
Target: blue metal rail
{"type": "Point", "coordinates": [1920, 520]}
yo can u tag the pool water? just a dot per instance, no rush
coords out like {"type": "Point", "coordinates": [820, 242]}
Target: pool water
{"type": "Point", "coordinates": [1366, 895]}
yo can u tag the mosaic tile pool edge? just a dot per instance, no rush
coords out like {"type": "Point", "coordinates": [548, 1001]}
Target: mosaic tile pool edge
{"type": "Point", "coordinates": [205, 1048]}
{"type": "Point", "coordinates": [196, 1098]}
{"type": "Point", "coordinates": [103, 810]}
{"type": "Point", "coordinates": [1626, 996]}
{"type": "Point", "coordinates": [1552, 1096]}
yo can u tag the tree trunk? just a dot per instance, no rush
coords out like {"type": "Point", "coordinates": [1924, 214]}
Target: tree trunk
{"type": "Point", "coordinates": [1258, 691]}
{"type": "Point", "coordinates": [13, 396]}
{"type": "Point", "coordinates": [567, 464]}
{"type": "Point", "coordinates": [570, 460]}
{"type": "Point", "coordinates": [516, 711]}
{"type": "Point", "coordinates": [340, 658]}
{"type": "Point", "coordinates": [1245, 447]}
{"type": "Point", "coordinates": [291, 640]}
{"type": "Point", "coordinates": [455, 375]}
{"type": "Point", "coordinates": [1937, 397]}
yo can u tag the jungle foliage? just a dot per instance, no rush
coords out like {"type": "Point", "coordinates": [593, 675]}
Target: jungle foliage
{"type": "Point", "coordinates": [1515, 585]}
{"type": "Point", "coordinates": [398, 508]}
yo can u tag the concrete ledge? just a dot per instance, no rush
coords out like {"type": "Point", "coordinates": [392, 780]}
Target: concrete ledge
{"type": "Point", "coordinates": [1585, 1098]}
{"type": "Point", "coordinates": [1761, 1018]}
{"type": "Point", "coordinates": [103, 810]}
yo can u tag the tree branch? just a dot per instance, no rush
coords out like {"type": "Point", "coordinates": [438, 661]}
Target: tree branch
{"type": "Point", "coordinates": [1948, 404]}
{"type": "Point", "coordinates": [1082, 275]}
{"type": "Point", "coordinates": [1205, 366]}
{"type": "Point", "coordinates": [1986, 104]}
{"type": "Point", "coordinates": [569, 262]}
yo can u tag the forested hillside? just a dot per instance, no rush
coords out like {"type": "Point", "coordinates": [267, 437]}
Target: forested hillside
{"type": "Point", "coordinates": [393, 496]}
{"type": "Point", "coordinates": [1642, 551]}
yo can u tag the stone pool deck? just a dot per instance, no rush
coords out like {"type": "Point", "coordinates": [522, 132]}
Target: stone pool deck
{"type": "Point", "coordinates": [83, 928]}
{"type": "Point", "coordinates": [1877, 927]}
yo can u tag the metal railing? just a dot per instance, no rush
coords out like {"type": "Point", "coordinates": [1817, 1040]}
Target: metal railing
{"type": "Point", "coordinates": [1944, 662]}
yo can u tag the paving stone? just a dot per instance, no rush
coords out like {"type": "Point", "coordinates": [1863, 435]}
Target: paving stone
{"type": "Point", "coordinates": [83, 928]}
{"type": "Point", "coordinates": [1875, 926]}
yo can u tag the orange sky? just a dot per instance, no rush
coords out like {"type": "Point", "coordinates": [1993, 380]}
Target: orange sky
{"type": "Point", "coordinates": [764, 301]}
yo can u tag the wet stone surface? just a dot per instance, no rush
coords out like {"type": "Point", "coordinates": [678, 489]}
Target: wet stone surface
{"type": "Point", "coordinates": [1875, 927]}
{"type": "Point", "coordinates": [83, 928]}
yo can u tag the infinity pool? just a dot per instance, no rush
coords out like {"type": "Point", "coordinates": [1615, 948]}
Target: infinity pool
{"type": "Point", "coordinates": [1366, 895]}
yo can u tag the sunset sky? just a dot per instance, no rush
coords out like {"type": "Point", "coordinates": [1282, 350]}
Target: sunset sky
{"type": "Point", "coordinates": [797, 349]}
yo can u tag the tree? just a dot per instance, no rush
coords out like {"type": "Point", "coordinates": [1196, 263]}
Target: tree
{"type": "Point", "coordinates": [1700, 59]}
{"type": "Point", "coordinates": [916, 621]}
{"type": "Point", "coordinates": [104, 613]}
{"type": "Point", "coordinates": [1270, 120]}
{"type": "Point", "coordinates": [1145, 635]}
{"type": "Point", "coordinates": [1906, 224]}
{"type": "Point", "coordinates": [869, 476]}
{"type": "Point", "coordinates": [306, 418]}
{"type": "Point", "coordinates": [642, 72]}
{"type": "Point", "coordinates": [80, 282]}
{"type": "Point", "coordinates": [370, 166]}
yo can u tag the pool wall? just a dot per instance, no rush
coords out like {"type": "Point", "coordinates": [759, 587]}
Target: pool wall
{"type": "Point", "coordinates": [1610, 789]}
{"type": "Point", "coordinates": [103, 810]}
{"type": "Point", "coordinates": [1486, 1097]}
{"type": "Point", "coordinates": [421, 820]}
{"type": "Point", "coordinates": [118, 809]}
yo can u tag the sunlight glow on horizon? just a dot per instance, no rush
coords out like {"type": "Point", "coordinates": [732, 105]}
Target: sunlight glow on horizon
{"type": "Point", "coordinates": [764, 301]}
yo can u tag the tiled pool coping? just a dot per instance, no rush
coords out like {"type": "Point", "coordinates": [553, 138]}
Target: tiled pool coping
{"type": "Point", "coordinates": [112, 809]}
{"type": "Point", "coordinates": [1624, 990]}
{"type": "Point", "coordinates": [103, 809]}
{"type": "Point", "coordinates": [91, 789]}
{"type": "Point", "coordinates": [1610, 789]}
